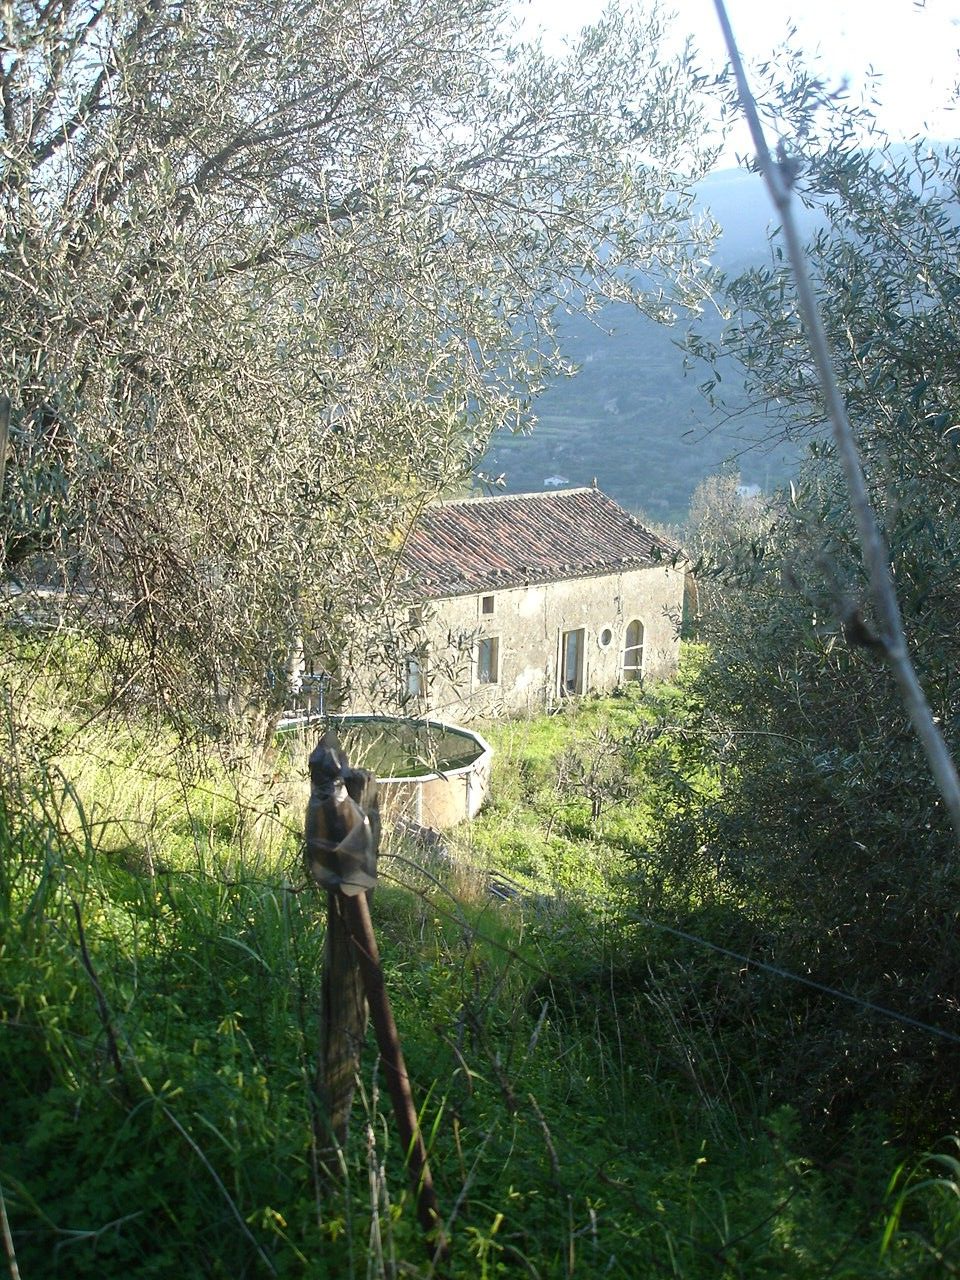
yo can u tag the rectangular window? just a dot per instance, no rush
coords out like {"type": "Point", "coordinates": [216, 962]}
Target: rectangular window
{"type": "Point", "coordinates": [414, 684]}
{"type": "Point", "coordinates": [486, 604]}
{"type": "Point", "coordinates": [571, 663]}
{"type": "Point", "coordinates": [488, 660]}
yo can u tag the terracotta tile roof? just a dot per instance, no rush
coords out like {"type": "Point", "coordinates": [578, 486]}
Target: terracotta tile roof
{"type": "Point", "coordinates": [481, 544]}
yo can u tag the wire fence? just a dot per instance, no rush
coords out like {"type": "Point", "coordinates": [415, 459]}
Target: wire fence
{"type": "Point", "coordinates": [505, 889]}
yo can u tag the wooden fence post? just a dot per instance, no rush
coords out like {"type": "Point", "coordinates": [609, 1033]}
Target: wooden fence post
{"type": "Point", "coordinates": [342, 844]}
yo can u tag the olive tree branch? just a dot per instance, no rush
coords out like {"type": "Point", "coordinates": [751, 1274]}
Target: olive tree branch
{"type": "Point", "coordinates": [778, 175]}
{"type": "Point", "coordinates": [4, 436]}
{"type": "Point", "coordinates": [8, 1239]}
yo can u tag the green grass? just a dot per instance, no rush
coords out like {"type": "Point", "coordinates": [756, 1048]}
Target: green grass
{"type": "Point", "coordinates": [590, 1112]}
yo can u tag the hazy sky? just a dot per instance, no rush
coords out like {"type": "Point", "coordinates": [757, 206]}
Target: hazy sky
{"type": "Point", "coordinates": [914, 44]}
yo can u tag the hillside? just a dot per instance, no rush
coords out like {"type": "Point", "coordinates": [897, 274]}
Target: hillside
{"type": "Point", "coordinates": [633, 417]}
{"type": "Point", "coordinates": [601, 1099]}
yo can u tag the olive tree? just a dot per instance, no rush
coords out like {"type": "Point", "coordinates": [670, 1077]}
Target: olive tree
{"type": "Point", "coordinates": [271, 275]}
{"type": "Point", "coordinates": [831, 842]}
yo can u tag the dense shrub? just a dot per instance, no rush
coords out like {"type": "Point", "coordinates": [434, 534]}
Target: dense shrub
{"type": "Point", "coordinates": [829, 842]}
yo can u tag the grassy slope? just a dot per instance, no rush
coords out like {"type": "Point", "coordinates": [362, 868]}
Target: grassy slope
{"type": "Point", "coordinates": [633, 419]}
{"type": "Point", "coordinates": [587, 1114]}
{"type": "Point", "coordinates": [634, 416]}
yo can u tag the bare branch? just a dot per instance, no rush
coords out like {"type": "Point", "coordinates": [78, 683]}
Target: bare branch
{"type": "Point", "coordinates": [778, 176]}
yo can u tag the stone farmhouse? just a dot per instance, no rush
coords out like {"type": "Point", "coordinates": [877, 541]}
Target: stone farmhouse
{"type": "Point", "coordinates": [518, 602]}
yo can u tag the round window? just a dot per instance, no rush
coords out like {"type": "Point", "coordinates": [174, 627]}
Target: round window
{"type": "Point", "coordinates": [606, 635]}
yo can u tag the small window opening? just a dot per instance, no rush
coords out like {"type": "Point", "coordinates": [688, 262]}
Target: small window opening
{"type": "Point", "coordinates": [486, 605]}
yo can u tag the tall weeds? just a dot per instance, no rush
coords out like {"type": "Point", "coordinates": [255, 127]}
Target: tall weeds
{"type": "Point", "coordinates": [587, 1114]}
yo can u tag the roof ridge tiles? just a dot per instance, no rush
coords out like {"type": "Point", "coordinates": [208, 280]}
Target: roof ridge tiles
{"type": "Point", "coordinates": [513, 497]}
{"type": "Point", "coordinates": [474, 544]}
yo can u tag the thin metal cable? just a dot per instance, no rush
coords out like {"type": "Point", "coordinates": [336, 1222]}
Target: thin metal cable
{"type": "Point", "coordinates": [880, 1009]}
{"type": "Point", "coordinates": [776, 970]}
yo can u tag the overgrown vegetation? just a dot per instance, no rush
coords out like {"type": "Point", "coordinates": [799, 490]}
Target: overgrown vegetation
{"type": "Point", "coordinates": [714, 1032]}
{"type": "Point", "coordinates": [833, 843]}
{"type": "Point", "coordinates": [597, 1101]}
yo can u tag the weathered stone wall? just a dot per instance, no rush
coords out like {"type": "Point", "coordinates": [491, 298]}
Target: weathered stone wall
{"type": "Point", "coordinates": [529, 622]}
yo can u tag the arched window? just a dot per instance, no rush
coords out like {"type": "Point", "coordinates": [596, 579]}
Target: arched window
{"type": "Point", "coordinates": [633, 652]}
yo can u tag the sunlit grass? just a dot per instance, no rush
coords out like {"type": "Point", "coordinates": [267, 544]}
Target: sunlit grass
{"type": "Point", "coordinates": [590, 1110]}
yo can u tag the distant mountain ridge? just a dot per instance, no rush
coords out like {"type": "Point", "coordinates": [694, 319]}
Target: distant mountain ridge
{"type": "Point", "coordinates": [631, 417]}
